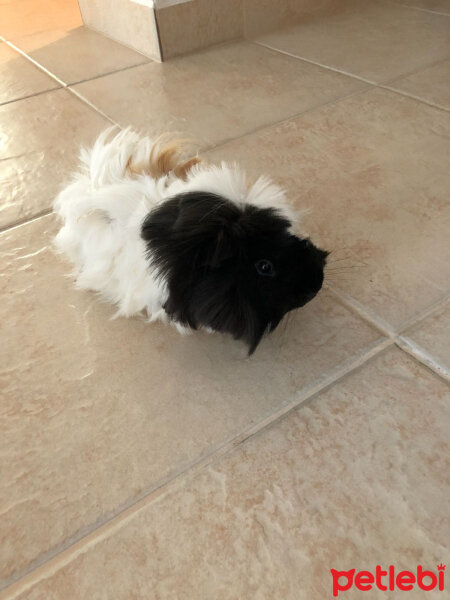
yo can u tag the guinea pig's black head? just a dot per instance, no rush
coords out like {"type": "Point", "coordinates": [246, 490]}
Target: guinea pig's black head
{"type": "Point", "coordinates": [235, 269]}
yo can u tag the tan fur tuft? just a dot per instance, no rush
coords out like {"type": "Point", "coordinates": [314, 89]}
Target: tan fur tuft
{"type": "Point", "coordinates": [164, 158]}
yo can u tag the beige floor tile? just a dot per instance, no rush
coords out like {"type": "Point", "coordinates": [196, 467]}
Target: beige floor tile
{"type": "Point", "coordinates": [19, 77]}
{"type": "Point", "coordinates": [97, 411]}
{"type": "Point", "coordinates": [77, 54]}
{"type": "Point", "coordinates": [374, 40]}
{"type": "Point", "coordinates": [432, 335]}
{"type": "Point", "coordinates": [354, 479]}
{"type": "Point", "coordinates": [374, 170]}
{"type": "Point", "coordinates": [442, 6]}
{"type": "Point", "coordinates": [217, 94]}
{"type": "Point", "coordinates": [262, 16]}
{"type": "Point", "coordinates": [39, 142]}
{"type": "Point", "coordinates": [431, 84]}
{"type": "Point", "coordinates": [22, 17]}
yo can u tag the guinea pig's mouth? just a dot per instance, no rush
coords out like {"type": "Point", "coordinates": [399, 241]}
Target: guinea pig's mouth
{"type": "Point", "coordinates": [316, 284]}
{"type": "Point", "coordinates": [301, 301]}
{"type": "Point", "coordinates": [310, 295]}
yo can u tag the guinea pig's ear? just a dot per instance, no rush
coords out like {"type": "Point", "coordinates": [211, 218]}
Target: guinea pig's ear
{"type": "Point", "coordinates": [221, 250]}
{"type": "Point", "coordinates": [201, 212]}
{"type": "Point", "coordinates": [206, 221]}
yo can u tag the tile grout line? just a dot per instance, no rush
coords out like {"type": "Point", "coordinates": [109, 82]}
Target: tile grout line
{"type": "Point", "coordinates": [413, 97]}
{"type": "Point", "coordinates": [145, 59]}
{"type": "Point", "coordinates": [68, 86]}
{"type": "Point", "coordinates": [403, 342]}
{"type": "Point", "coordinates": [415, 351]}
{"type": "Point", "coordinates": [313, 62]}
{"type": "Point", "coordinates": [54, 560]}
{"type": "Point", "coordinates": [269, 126]}
{"type": "Point", "coordinates": [95, 108]}
{"type": "Point", "coordinates": [36, 64]}
{"type": "Point", "coordinates": [25, 221]}
{"type": "Point", "coordinates": [384, 84]}
{"type": "Point", "coordinates": [420, 8]}
{"type": "Point", "coordinates": [52, 89]}
{"type": "Point", "coordinates": [429, 65]}
{"type": "Point", "coordinates": [107, 73]}
{"type": "Point", "coordinates": [365, 313]}
{"type": "Point", "coordinates": [428, 311]}
{"type": "Point", "coordinates": [309, 392]}
{"type": "Point", "coordinates": [378, 322]}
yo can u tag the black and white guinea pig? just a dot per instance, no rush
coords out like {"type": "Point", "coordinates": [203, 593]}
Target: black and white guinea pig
{"type": "Point", "coordinates": [184, 241]}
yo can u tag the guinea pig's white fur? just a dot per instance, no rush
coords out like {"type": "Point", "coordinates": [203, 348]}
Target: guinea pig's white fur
{"type": "Point", "coordinates": [103, 209]}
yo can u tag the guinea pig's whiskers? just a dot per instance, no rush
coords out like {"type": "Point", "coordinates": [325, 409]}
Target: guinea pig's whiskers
{"type": "Point", "coordinates": [342, 255]}
{"type": "Point", "coordinates": [340, 249]}
{"type": "Point", "coordinates": [338, 260]}
{"type": "Point", "coordinates": [333, 254]}
{"type": "Point", "coordinates": [343, 259]}
{"type": "Point", "coordinates": [340, 279]}
{"type": "Point", "coordinates": [342, 270]}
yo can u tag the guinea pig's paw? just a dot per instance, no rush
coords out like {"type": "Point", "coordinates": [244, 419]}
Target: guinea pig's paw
{"type": "Point", "coordinates": [181, 328]}
{"type": "Point", "coordinates": [158, 315]}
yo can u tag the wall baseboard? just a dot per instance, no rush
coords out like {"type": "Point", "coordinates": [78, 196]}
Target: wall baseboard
{"type": "Point", "coordinates": [162, 29]}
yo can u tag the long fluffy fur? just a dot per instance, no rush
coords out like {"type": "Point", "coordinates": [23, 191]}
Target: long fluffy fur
{"type": "Point", "coordinates": [120, 180]}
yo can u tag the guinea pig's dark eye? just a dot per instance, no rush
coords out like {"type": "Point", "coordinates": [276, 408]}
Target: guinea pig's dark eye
{"type": "Point", "coordinates": [265, 267]}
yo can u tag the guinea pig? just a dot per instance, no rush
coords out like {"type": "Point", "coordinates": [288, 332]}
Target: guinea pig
{"type": "Point", "coordinates": [185, 242]}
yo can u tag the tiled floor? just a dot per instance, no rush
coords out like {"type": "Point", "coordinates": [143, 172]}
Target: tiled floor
{"type": "Point", "coordinates": [136, 463]}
